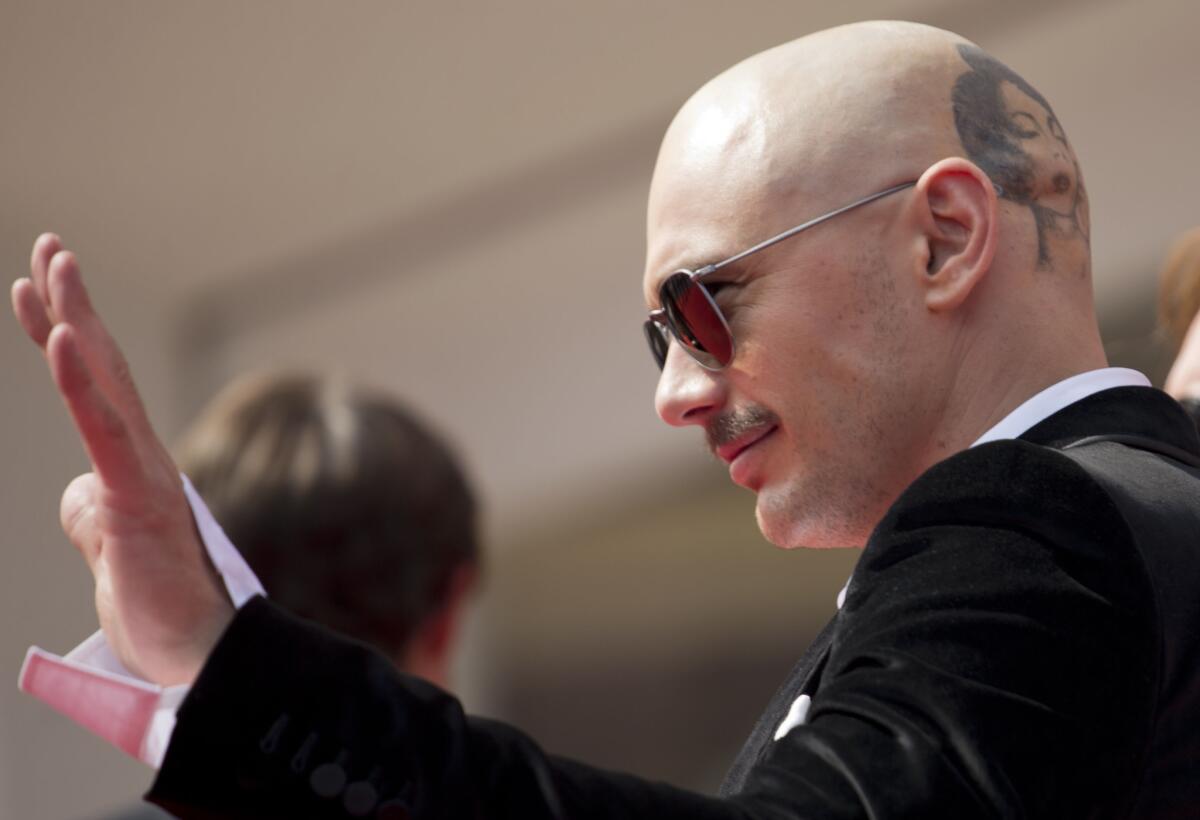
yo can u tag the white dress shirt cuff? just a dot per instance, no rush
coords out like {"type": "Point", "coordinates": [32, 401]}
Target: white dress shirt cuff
{"type": "Point", "coordinates": [92, 687]}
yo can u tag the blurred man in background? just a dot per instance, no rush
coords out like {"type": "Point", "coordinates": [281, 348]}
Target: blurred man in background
{"type": "Point", "coordinates": [350, 510]}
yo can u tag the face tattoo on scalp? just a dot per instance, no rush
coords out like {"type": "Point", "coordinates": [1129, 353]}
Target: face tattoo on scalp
{"type": "Point", "coordinates": [1010, 131]}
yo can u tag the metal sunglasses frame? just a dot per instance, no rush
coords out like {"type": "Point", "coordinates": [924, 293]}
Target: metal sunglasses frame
{"type": "Point", "coordinates": [658, 320]}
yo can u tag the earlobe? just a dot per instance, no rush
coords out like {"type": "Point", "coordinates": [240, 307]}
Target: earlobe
{"type": "Point", "coordinates": [958, 222]}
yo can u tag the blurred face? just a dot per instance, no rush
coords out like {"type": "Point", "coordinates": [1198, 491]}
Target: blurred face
{"type": "Point", "coordinates": [817, 413]}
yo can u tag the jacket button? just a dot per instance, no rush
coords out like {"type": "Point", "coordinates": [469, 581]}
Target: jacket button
{"type": "Point", "coordinates": [327, 780]}
{"type": "Point", "coordinates": [359, 798]}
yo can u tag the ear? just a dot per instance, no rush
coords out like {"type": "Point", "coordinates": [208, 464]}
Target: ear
{"type": "Point", "coordinates": [957, 218]}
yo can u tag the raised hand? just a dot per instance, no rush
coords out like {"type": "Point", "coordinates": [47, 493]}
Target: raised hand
{"type": "Point", "coordinates": [160, 603]}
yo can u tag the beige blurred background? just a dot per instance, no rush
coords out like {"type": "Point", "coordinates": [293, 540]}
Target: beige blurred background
{"type": "Point", "coordinates": [445, 199]}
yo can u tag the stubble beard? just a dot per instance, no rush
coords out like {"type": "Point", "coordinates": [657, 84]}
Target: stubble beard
{"type": "Point", "coordinates": [831, 499]}
{"type": "Point", "coordinates": [802, 513]}
{"type": "Point", "coordinates": [826, 507]}
{"type": "Point", "coordinates": [843, 481]}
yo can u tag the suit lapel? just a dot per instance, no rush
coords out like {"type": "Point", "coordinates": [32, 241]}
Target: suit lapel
{"type": "Point", "coordinates": [801, 680]}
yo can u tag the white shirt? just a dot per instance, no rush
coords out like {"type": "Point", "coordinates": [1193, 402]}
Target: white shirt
{"type": "Point", "coordinates": [1059, 395]}
{"type": "Point", "coordinates": [90, 686]}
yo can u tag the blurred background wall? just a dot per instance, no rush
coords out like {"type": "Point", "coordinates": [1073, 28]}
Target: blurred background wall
{"type": "Point", "coordinates": [446, 199]}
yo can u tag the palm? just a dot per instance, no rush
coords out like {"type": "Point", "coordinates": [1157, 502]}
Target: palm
{"type": "Point", "coordinates": [159, 602]}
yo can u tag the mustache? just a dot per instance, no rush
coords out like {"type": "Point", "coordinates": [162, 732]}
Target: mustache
{"type": "Point", "coordinates": [730, 426]}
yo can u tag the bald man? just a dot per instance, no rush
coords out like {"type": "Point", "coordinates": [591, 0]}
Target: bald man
{"type": "Point", "coordinates": [868, 277]}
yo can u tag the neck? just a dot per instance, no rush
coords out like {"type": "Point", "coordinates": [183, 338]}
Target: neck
{"type": "Point", "coordinates": [990, 386]}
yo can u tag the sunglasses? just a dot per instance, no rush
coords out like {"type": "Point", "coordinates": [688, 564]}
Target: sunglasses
{"type": "Point", "coordinates": [690, 314]}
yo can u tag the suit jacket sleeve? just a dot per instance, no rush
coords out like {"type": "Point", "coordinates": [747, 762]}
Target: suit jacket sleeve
{"type": "Point", "coordinates": [996, 657]}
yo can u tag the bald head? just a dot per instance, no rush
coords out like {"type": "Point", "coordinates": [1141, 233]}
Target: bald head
{"type": "Point", "coordinates": [877, 343]}
{"type": "Point", "coordinates": [874, 102]}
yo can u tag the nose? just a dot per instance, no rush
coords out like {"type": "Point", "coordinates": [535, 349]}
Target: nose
{"type": "Point", "coordinates": [687, 393]}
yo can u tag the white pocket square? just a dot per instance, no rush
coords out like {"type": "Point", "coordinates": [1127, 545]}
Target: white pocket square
{"type": "Point", "coordinates": [795, 716]}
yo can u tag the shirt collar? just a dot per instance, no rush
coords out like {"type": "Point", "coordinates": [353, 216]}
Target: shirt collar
{"type": "Point", "coordinates": [1048, 402]}
{"type": "Point", "coordinates": [1060, 395]}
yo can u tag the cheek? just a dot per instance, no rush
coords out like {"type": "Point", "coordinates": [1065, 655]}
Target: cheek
{"type": "Point", "coordinates": [805, 341]}
{"type": "Point", "coordinates": [805, 378]}
{"type": "Point", "coordinates": [778, 346]}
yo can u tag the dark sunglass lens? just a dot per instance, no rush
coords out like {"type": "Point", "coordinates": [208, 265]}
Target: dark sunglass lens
{"type": "Point", "coordinates": [656, 336]}
{"type": "Point", "coordinates": [694, 317]}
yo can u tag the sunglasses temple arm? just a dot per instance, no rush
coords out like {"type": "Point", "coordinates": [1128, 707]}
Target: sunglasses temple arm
{"type": "Point", "coordinates": [805, 226]}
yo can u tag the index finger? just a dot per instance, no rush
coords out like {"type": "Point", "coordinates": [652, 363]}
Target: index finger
{"type": "Point", "coordinates": [104, 433]}
{"type": "Point", "coordinates": [106, 364]}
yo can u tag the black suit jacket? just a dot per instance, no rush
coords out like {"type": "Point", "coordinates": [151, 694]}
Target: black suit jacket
{"type": "Point", "coordinates": [1021, 638]}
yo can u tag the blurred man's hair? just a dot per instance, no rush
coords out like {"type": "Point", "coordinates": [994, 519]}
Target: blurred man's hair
{"type": "Point", "coordinates": [349, 509]}
{"type": "Point", "coordinates": [1179, 288]}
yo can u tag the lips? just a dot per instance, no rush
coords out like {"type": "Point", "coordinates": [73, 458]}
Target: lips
{"type": "Point", "coordinates": [730, 450]}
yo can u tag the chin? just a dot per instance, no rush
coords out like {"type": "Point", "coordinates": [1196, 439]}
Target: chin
{"type": "Point", "coordinates": [789, 525]}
